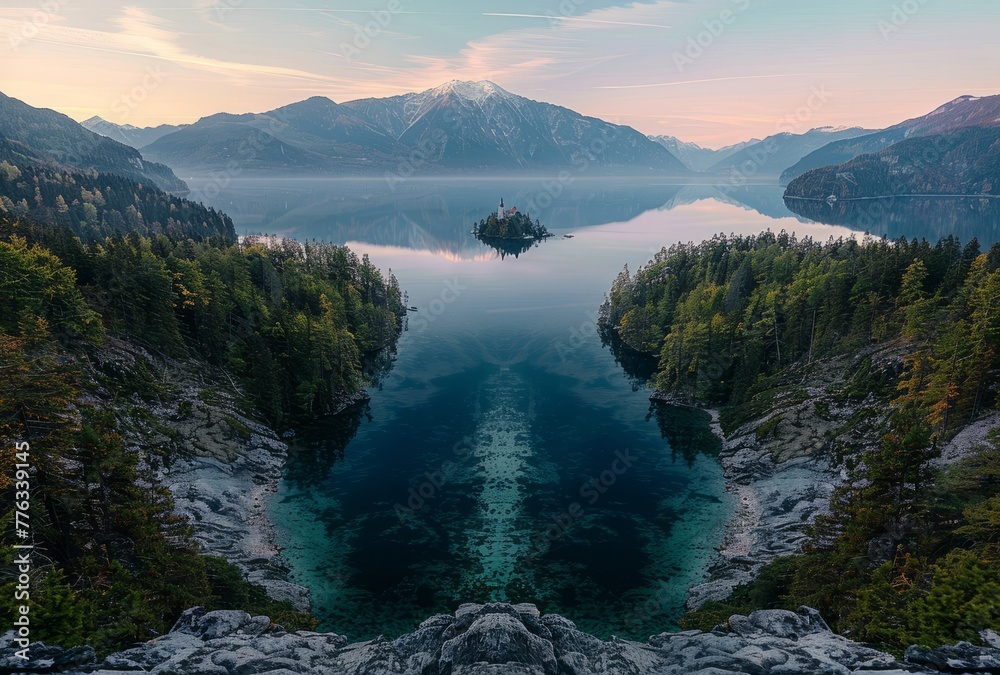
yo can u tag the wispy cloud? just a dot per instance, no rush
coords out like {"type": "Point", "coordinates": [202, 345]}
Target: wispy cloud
{"type": "Point", "coordinates": [709, 79]}
{"type": "Point", "coordinates": [603, 57]}
{"type": "Point", "coordinates": [555, 17]}
{"type": "Point", "coordinates": [529, 58]}
{"type": "Point", "coordinates": [144, 34]}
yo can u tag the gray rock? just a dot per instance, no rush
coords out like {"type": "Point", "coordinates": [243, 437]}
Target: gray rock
{"type": "Point", "coordinates": [779, 623]}
{"type": "Point", "coordinates": [221, 465]}
{"type": "Point", "coordinates": [498, 639]}
{"type": "Point", "coordinates": [41, 657]}
{"type": "Point", "coordinates": [960, 658]}
{"type": "Point", "coordinates": [505, 639]}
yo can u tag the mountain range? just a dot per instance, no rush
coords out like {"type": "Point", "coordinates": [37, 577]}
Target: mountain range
{"type": "Point", "coordinates": [961, 162]}
{"type": "Point", "coordinates": [965, 111]}
{"type": "Point", "coordinates": [953, 150]}
{"type": "Point", "coordinates": [44, 136]}
{"type": "Point", "coordinates": [773, 155]}
{"type": "Point", "coordinates": [459, 126]}
{"type": "Point", "coordinates": [127, 134]}
{"type": "Point", "coordinates": [696, 157]}
{"type": "Point", "coordinates": [464, 127]}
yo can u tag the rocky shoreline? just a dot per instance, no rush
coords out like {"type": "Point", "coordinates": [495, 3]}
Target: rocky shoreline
{"type": "Point", "coordinates": [503, 639]}
{"type": "Point", "coordinates": [221, 465]}
{"type": "Point", "coordinates": [780, 464]}
{"type": "Point", "coordinates": [775, 503]}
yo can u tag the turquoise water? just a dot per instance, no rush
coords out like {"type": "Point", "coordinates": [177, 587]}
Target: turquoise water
{"type": "Point", "coordinates": [506, 455]}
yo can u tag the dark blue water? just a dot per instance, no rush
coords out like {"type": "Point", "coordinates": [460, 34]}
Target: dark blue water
{"type": "Point", "coordinates": [506, 455]}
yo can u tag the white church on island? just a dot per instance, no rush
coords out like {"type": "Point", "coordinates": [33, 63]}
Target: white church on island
{"type": "Point", "coordinates": [505, 213]}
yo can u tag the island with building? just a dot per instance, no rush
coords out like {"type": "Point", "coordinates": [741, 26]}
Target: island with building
{"type": "Point", "coordinates": [509, 223]}
{"type": "Point", "coordinates": [509, 231]}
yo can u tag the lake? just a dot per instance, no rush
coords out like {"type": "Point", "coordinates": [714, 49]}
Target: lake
{"type": "Point", "coordinates": [506, 455]}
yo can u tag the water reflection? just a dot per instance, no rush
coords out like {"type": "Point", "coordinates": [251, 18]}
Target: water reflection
{"type": "Point", "coordinates": [437, 216]}
{"type": "Point", "coordinates": [686, 429]}
{"type": "Point", "coordinates": [639, 367]}
{"type": "Point", "coordinates": [929, 218]}
{"type": "Point", "coordinates": [503, 357]}
{"type": "Point", "coordinates": [506, 247]}
{"type": "Point", "coordinates": [314, 451]}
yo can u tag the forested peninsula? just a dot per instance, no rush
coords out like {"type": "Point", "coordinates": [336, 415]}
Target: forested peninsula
{"type": "Point", "coordinates": [106, 286]}
{"type": "Point", "coordinates": [891, 348]}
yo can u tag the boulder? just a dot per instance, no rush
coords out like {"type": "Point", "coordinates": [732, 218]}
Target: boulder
{"type": "Point", "coordinates": [960, 658]}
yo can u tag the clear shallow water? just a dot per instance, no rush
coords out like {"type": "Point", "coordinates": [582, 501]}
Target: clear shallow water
{"type": "Point", "coordinates": [506, 456]}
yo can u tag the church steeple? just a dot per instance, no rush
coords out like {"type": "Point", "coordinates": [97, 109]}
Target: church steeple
{"type": "Point", "coordinates": [500, 210]}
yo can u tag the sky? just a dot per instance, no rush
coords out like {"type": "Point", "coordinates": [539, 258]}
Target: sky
{"type": "Point", "coordinates": [713, 72]}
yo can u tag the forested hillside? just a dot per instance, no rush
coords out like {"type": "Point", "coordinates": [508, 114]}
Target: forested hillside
{"type": "Point", "coordinates": [909, 553]}
{"type": "Point", "coordinates": [65, 144]}
{"type": "Point", "coordinates": [291, 323]}
{"type": "Point", "coordinates": [98, 205]}
{"type": "Point", "coordinates": [963, 162]}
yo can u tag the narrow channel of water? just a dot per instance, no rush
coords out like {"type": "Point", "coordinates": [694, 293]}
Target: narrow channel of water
{"type": "Point", "coordinates": [507, 456]}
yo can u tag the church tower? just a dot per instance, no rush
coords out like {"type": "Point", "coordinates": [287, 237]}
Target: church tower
{"type": "Point", "coordinates": [500, 210]}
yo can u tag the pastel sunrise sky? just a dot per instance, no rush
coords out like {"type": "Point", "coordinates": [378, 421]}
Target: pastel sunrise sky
{"type": "Point", "coordinates": [878, 62]}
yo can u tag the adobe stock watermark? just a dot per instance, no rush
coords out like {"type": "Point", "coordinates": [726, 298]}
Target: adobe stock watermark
{"type": "Point", "coordinates": [900, 16]}
{"type": "Point", "coordinates": [429, 488]}
{"type": "Point", "coordinates": [578, 336]}
{"type": "Point", "coordinates": [224, 7]}
{"type": "Point", "coordinates": [451, 292]}
{"type": "Point", "coordinates": [566, 9]}
{"type": "Point", "coordinates": [151, 80]}
{"type": "Point", "coordinates": [48, 10]}
{"type": "Point", "coordinates": [591, 491]}
{"type": "Point", "coordinates": [714, 29]}
{"type": "Point", "coordinates": [428, 150]}
{"type": "Point", "coordinates": [580, 163]}
{"type": "Point", "coordinates": [22, 551]}
{"type": "Point", "coordinates": [247, 151]}
{"type": "Point", "coordinates": [366, 33]}
{"type": "Point", "coordinates": [762, 153]}
{"type": "Point", "coordinates": [650, 607]}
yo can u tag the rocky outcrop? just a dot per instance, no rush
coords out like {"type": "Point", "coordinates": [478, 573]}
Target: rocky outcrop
{"type": "Point", "coordinates": [497, 639]}
{"type": "Point", "coordinates": [222, 479]}
{"type": "Point", "coordinates": [960, 658]}
{"type": "Point", "coordinates": [775, 503]}
{"type": "Point", "coordinates": [781, 465]}
{"type": "Point", "coordinates": [220, 465]}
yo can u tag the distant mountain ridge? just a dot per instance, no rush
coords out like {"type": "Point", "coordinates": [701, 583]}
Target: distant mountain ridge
{"type": "Point", "coordinates": [953, 150]}
{"type": "Point", "coordinates": [51, 137]}
{"type": "Point", "coordinates": [459, 126]}
{"type": "Point", "coordinates": [696, 157]}
{"type": "Point", "coordinates": [963, 111]}
{"type": "Point", "coordinates": [136, 137]}
{"type": "Point", "coordinates": [479, 126]}
{"type": "Point", "coordinates": [774, 154]}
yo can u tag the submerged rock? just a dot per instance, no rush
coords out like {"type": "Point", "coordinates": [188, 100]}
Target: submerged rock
{"type": "Point", "coordinates": [507, 639]}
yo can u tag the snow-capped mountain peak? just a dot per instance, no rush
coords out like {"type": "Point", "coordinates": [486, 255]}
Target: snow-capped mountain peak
{"type": "Point", "coordinates": [472, 91]}
{"type": "Point", "coordinates": [97, 121]}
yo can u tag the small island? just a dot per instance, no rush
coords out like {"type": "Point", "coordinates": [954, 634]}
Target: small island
{"type": "Point", "coordinates": [509, 231]}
